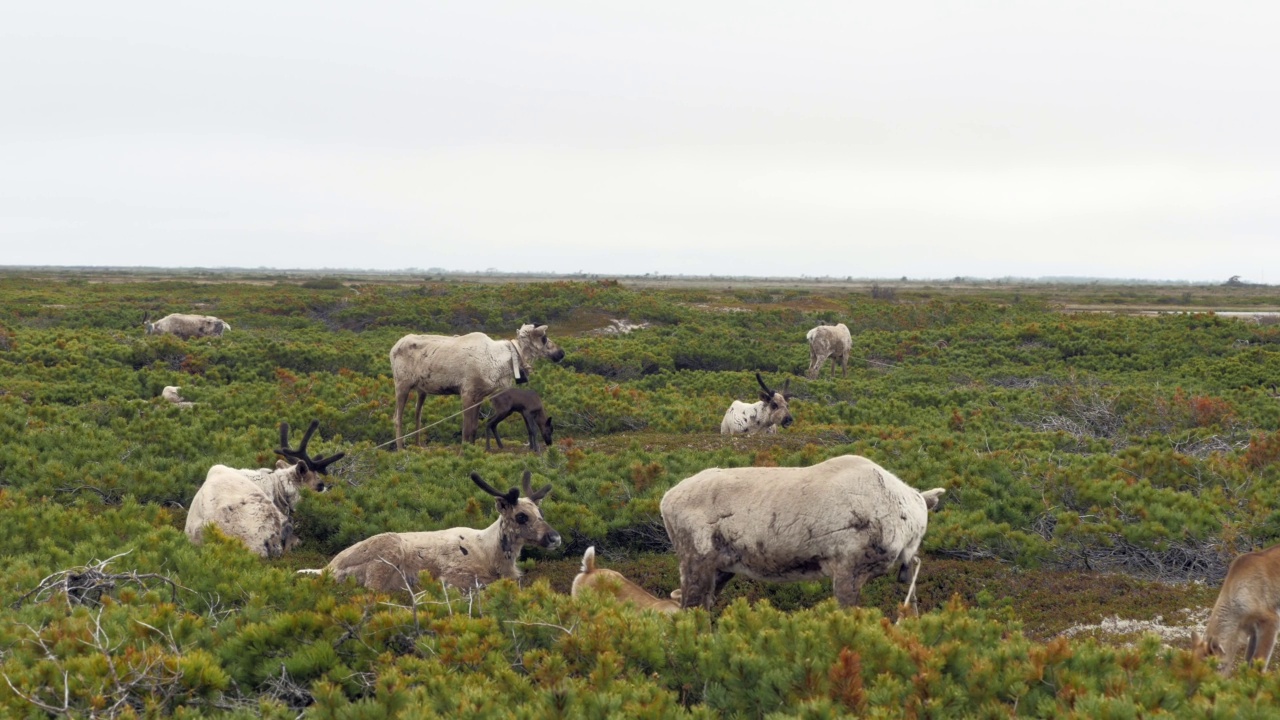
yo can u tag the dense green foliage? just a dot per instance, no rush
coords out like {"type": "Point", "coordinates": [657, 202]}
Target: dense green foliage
{"type": "Point", "coordinates": [1147, 444]}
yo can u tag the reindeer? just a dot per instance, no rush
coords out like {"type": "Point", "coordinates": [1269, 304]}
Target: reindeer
{"type": "Point", "coordinates": [614, 583]}
{"type": "Point", "coordinates": [463, 557]}
{"type": "Point", "coordinates": [763, 416]}
{"type": "Point", "coordinates": [170, 394]}
{"type": "Point", "coordinates": [185, 326]}
{"type": "Point", "coordinates": [255, 505]}
{"type": "Point", "coordinates": [529, 405]}
{"type": "Point", "coordinates": [829, 341]}
{"type": "Point", "coordinates": [472, 366]}
{"type": "Point", "coordinates": [1246, 610]}
{"type": "Point", "coordinates": [845, 518]}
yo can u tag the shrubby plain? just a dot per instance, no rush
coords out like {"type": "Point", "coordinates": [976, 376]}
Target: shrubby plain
{"type": "Point", "coordinates": [1095, 464]}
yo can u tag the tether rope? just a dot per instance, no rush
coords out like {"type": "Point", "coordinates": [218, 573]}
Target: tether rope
{"type": "Point", "coordinates": [482, 401]}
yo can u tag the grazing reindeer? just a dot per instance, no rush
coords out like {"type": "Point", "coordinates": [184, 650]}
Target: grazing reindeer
{"type": "Point", "coordinates": [463, 557]}
{"type": "Point", "coordinates": [763, 416]}
{"type": "Point", "coordinates": [829, 341]}
{"type": "Point", "coordinates": [185, 326]}
{"type": "Point", "coordinates": [255, 505]}
{"type": "Point", "coordinates": [472, 366]}
{"type": "Point", "coordinates": [529, 405]}
{"type": "Point", "coordinates": [845, 518]}
{"type": "Point", "coordinates": [613, 582]}
{"type": "Point", "coordinates": [1246, 610]}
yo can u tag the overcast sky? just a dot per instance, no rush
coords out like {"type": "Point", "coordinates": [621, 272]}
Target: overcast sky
{"type": "Point", "coordinates": [872, 139]}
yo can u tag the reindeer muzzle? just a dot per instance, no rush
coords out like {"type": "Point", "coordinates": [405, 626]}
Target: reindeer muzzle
{"type": "Point", "coordinates": [786, 421]}
{"type": "Point", "coordinates": [558, 355]}
{"type": "Point", "coordinates": [551, 540]}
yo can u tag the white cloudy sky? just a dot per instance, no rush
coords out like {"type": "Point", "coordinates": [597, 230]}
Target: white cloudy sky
{"type": "Point", "coordinates": [874, 139]}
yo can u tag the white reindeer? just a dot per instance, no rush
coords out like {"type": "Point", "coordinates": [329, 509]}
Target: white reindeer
{"type": "Point", "coordinates": [472, 366]}
{"type": "Point", "coordinates": [846, 518]}
{"type": "Point", "coordinates": [170, 394]}
{"type": "Point", "coordinates": [603, 580]}
{"type": "Point", "coordinates": [185, 326]}
{"type": "Point", "coordinates": [465, 558]}
{"type": "Point", "coordinates": [255, 505]}
{"type": "Point", "coordinates": [829, 341]}
{"type": "Point", "coordinates": [764, 415]}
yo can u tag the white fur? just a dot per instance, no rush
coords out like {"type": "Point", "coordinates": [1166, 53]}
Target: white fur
{"type": "Point", "coordinates": [757, 417]}
{"type": "Point", "coordinates": [827, 341]}
{"type": "Point", "coordinates": [170, 393]}
{"type": "Point", "coordinates": [252, 505]}
{"type": "Point", "coordinates": [846, 518]}
{"type": "Point", "coordinates": [187, 326]}
{"type": "Point", "coordinates": [463, 557]}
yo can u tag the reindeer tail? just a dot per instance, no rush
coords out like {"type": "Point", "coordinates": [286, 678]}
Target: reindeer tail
{"type": "Point", "coordinates": [589, 560]}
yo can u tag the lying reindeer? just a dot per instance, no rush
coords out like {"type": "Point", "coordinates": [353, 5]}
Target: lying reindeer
{"type": "Point", "coordinates": [529, 405]}
{"type": "Point", "coordinates": [466, 558]}
{"type": "Point", "coordinates": [614, 583]}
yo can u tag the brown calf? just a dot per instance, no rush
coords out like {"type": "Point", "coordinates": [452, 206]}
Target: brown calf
{"type": "Point", "coordinates": [614, 583]}
{"type": "Point", "coordinates": [529, 405]}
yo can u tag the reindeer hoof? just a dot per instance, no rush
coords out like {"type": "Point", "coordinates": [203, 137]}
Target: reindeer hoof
{"type": "Point", "coordinates": [522, 380]}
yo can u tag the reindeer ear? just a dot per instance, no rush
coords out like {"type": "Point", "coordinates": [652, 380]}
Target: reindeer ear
{"type": "Point", "coordinates": [932, 497]}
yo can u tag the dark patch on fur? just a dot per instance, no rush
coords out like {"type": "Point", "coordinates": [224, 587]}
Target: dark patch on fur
{"type": "Point", "coordinates": [464, 550]}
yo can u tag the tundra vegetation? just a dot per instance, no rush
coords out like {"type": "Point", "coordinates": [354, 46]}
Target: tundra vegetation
{"type": "Point", "coordinates": [1085, 457]}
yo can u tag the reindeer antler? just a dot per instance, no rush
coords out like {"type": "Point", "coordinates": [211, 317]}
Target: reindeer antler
{"type": "Point", "coordinates": [511, 496]}
{"type": "Point", "coordinates": [529, 492]}
{"type": "Point", "coordinates": [320, 464]}
{"type": "Point", "coordinates": [761, 381]}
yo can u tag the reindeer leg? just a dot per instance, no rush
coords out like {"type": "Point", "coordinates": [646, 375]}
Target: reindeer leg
{"type": "Point", "coordinates": [697, 583]}
{"type": "Point", "coordinates": [847, 584]}
{"type": "Point", "coordinates": [493, 428]}
{"type": "Point", "coordinates": [401, 397]}
{"type": "Point", "coordinates": [532, 428]}
{"type": "Point", "coordinates": [1263, 641]}
{"type": "Point", "coordinates": [470, 417]}
{"type": "Point", "coordinates": [417, 414]}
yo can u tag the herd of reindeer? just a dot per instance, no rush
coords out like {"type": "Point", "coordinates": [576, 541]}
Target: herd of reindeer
{"type": "Point", "coordinates": [845, 518]}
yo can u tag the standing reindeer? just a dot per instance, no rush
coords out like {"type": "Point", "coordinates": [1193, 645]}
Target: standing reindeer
{"type": "Point", "coordinates": [529, 405]}
{"type": "Point", "coordinates": [472, 366]}
{"type": "Point", "coordinates": [829, 341]}
{"type": "Point", "coordinates": [1246, 615]}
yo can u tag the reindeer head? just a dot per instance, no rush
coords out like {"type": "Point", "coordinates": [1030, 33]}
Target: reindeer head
{"type": "Point", "coordinates": [775, 403]}
{"type": "Point", "coordinates": [310, 470]}
{"type": "Point", "coordinates": [521, 517]}
{"type": "Point", "coordinates": [1204, 647]}
{"type": "Point", "coordinates": [150, 326]}
{"type": "Point", "coordinates": [547, 429]}
{"type": "Point", "coordinates": [533, 340]}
